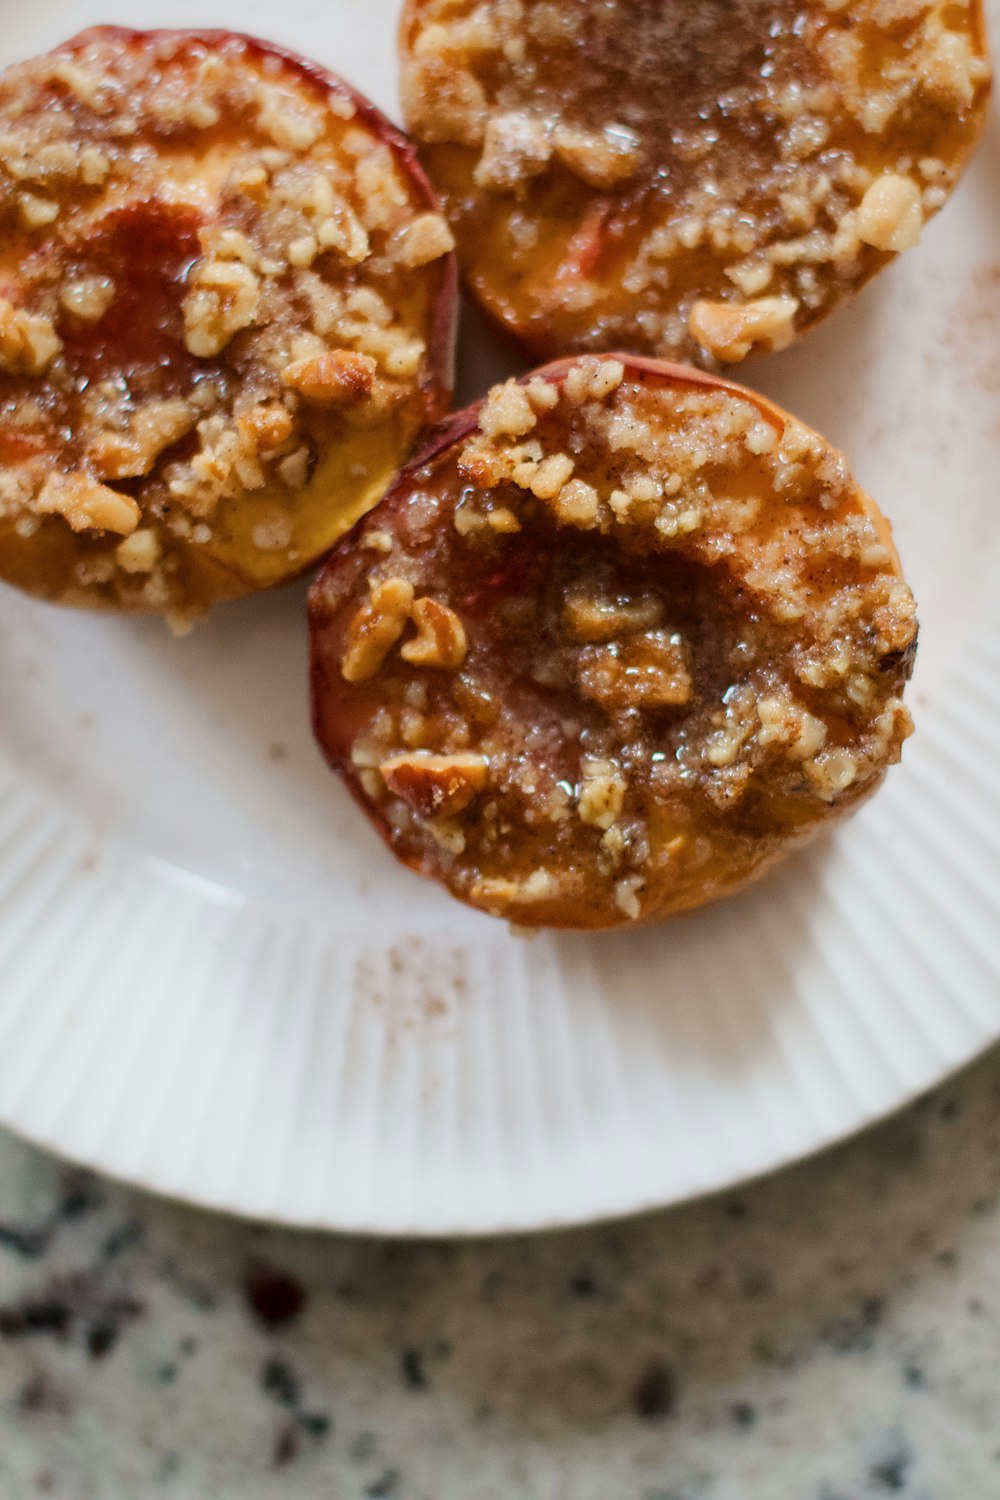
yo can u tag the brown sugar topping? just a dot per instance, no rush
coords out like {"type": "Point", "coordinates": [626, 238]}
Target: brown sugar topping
{"type": "Point", "coordinates": [604, 711]}
{"type": "Point", "coordinates": [223, 301]}
{"type": "Point", "coordinates": [623, 174]}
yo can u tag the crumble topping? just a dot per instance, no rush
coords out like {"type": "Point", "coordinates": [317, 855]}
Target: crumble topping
{"type": "Point", "coordinates": [630, 173]}
{"type": "Point", "coordinates": [221, 272]}
{"type": "Point", "coordinates": [683, 648]}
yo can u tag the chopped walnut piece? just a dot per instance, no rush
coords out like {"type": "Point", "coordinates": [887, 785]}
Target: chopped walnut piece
{"type": "Point", "coordinates": [37, 212]}
{"type": "Point", "coordinates": [516, 148]}
{"type": "Point", "coordinates": [551, 475]}
{"type": "Point", "coordinates": [87, 505]}
{"type": "Point", "coordinates": [88, 297]}
{"type": "Point", "coordinates": [577, 503]}
{"type": "Point", "coordinates": [440, 639]}
{"type": "Point", "coordinates": [645, 671]}
{"type": "Point", "coordinates": [28, 342]}
{"type": "Point", "coordinates": [376, 628]}
{"type": "Point", "coordinates": [224, 297]}
{"type": "Point", "coordinates": [729, 330]}
{"type": "Point", "coordinates": [339, 377]}
{"type": "Point", "coordinates": [426, 239]}
{"type": "Point", "coordinates": [458, 110]}
{"type": "Point", "coordinates": [138, 553]}
{"type": "Point", "coordinates": [507, 412]}
{"type": "Point", "coordinates": [269, 425]}
{"type": "Point", "coordinates": [594, 379]}
{"type": "Point", "coordinates": [130, 454]}
{"type": "Point", "coordinates": [890, 216]}
{"type": "Point", "coordinates": [602, 158]}
{"type": "Point", "coordinates": [602, 791]}
{"type": "Point", "coordinates": [593, 617]}
{"type": "Point", "coordinates": [435, 786]}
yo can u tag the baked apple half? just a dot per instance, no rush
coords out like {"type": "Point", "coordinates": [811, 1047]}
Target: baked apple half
{"type": "Point", "coordinates": [226, 317]}
{"type": "Point", "coordinates": [694, 179]}
{"type": "Point", "coordinates": [616, 643]}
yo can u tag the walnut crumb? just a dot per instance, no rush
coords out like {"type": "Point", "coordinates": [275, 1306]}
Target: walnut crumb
{"type": "Point", "coordinates": [339, 377]}
{"type": "Point", "coordinates": [507, 412]}
{"type": "Point", "coordinates": [426, 239]}
{"type": "Point", "coordinates": [87, 505]}
{"type": "Point", "coordinates": [138, 553]}
{"type": "Point", "coordinates": [890, 215]}
{"type": "Point", "coordinates": [440, 639]}
{"type": "Point", "coordinates": [435, 786]}
{"type": "Point", "coordinates": [729, 330]}
{"type": "Point", "coordinates": [224, 297]}
{"type": "Point", "coordinates": [376, 628]}
{"type": "Point", "coordinates": [28, 342]}
{"type": "Point", "coordinates": [601, 795]}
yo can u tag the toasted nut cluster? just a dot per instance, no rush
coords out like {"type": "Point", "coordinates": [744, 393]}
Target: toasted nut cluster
{"type": "Point", "coordinates": [701, 179]}
{"type": "Point", "coordinates": [226, 317]}
{"type": "Point", "coordinates": [680, 652]}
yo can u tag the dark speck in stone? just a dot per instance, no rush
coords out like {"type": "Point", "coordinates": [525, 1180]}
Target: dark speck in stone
{"type": "Point", "coordinates": [40, 1395]}
{"type": "Point", "coordinates": [946, 1258]}
{"type": "Point", "coordinates": [275, 1298]}
{"type": "Point", "coordinates": [77, 1304]}
{"type": "Point", "coordinates": [756, 1283]}
{"type": "Point", "coordinates": [316, 1423]}
{"type": "Point", "coordinates": [492, 1284]}
{"type": "Point", "coordinates": [280, 1382]}
{"type": "Point", "coordinates": [976, 1307]}
{"type": "Point", "coordinates": [44, 1315]}
{"type": "Point", "coordinates": [915, 1378]}
{"type": "Point", "coordinates": [852, 1335]}
{"type": "Point", "coordinates": [582, 1285]}
{"type": "Point", "coordinates": [950, 1109]}
{"type": "Point", "coordinates": [167, 1373]}
{"type": "Point", "coordinates": [743, 1415]}
{"type": "Point", "coordinates": [888, 1476]}
{"type": "Point", "coordinates": [197, 1293]}
{"type": "Point", "coordinates": [29, 1244]}
{"type": "Point", "coordinates": [654, 1394]}
{"type": "Point", "coordinates": [82, 1196]}
{"type": "Point", "coordinates": [187, 1347]}
{"type": "Point", "coordinates": [736, 1209]}
{"type": "Point", "coordinates": [101, 1339]}
{"type": "Point", "coordinates": [765, 1351]}
{"type": "Point", "coordinates": [286, 1445]}
{"type": "Point", "coordinates": [126, 1237]}
{"type": "Point", "coordinates": [384, 1487]}
{"type": "Point", "coordinates": [412, 1365]}
{"type": "Point", "coordinates": [364, 1448]}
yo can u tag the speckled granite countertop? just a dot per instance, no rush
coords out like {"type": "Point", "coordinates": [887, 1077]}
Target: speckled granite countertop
{"type": "Point", "coordinates": [832, 1334]}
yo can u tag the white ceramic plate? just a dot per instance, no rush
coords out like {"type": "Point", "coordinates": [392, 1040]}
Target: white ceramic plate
{"type": "Point", "coordinates": [214, 980]}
